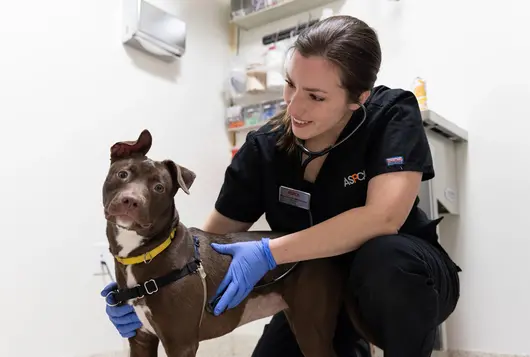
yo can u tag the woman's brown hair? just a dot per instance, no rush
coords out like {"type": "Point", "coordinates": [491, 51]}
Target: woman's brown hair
{"type": "Point", "coordinates": [348, 43]}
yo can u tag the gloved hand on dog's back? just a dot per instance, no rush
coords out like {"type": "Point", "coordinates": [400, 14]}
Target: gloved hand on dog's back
{"type": "Point", "coordinates": [250, 262]}
{"type": "Point", "coordinates": [123, 317]}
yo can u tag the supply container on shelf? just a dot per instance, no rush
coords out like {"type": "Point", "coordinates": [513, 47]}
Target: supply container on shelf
{"type": "Point", "coordinates": [234, 117]}
{"type": "Point", "coordinates": [252, 115]}
{"type": "Point", "coordinates": [246, 7]}
{"type": "Point", "coordinates": [420, 91]}
{"type": "Point", "coordinates": [269, 110]}
{"type": "Point", "coordinates": [256, 78]}
{"type": "Point", "coordinates": [240, 7]}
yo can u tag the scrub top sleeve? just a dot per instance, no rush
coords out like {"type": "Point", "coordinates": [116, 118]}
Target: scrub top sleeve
{"type": "Point", "coordinates": [240, 196]}
{"type": "Point", "coordinates": [400, 144]}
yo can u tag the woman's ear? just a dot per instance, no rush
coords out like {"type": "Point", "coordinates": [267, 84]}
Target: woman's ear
{"type": "Point", "coordinates": [362, 99]}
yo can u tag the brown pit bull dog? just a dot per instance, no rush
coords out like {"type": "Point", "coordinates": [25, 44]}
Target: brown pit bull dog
{"type": "Point", "coordinates": [169, 272]}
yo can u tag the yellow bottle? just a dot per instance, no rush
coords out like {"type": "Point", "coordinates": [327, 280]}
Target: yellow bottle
{"type": "Point", "coordinates": [420, 91]}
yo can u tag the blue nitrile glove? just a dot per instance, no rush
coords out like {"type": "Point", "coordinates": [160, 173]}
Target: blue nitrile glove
{"type": "Point", "coordinates": [250, 262]}
{"type": "Point", "coordinates": [123, 317]}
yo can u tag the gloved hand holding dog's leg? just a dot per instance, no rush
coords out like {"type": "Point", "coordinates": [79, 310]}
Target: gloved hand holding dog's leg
{"type": "Point", "coordinates": [123, 317]}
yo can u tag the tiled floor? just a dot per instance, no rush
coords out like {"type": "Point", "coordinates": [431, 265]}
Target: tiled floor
{"type": "Point", "coordinates": [239, 346]}
{"type": "Point", "coordinates": [241, 342]}
{"type": "Point", "coordinates": [228, 346]}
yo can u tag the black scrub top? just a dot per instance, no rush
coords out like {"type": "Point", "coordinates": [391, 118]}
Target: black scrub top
{"type": "Point", "coordinates": [392, 138]}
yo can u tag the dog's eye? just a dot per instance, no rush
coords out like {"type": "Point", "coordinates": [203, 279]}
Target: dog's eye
{"type": "Point", "coordinates": [123, 174]}
{"type": "Point", "coordinates": [159, 188]}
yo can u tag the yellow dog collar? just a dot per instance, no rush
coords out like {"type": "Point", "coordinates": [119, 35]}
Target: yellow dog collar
{"type": "Point", "coordinates": [147, 257]}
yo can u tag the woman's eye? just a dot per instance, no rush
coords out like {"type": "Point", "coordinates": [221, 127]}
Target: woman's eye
{"type": "Point", "coordinates": [123, 174]}
{"type": "Point", "coordinates": [159, 188]}
{"type": "Point", "coordinates": [317, 98]}
{"type": "Point", "coordinates": [312, 96]}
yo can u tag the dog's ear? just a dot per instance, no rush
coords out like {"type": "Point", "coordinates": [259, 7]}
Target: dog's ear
{"type": "Point", "coordinates": [126, 149]}
{"type": "Point", "coordinates": [181, 176]}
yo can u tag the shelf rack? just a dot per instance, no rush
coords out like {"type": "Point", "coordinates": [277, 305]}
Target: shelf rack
{"type": "Point", "coordinates": [431, 121]}
{"type": "Point", "coordinates": [246, 99]}
{"type": "Point", "coordinates": [283, 9]}
{"type": "Point", "coordinates": [436, 123]}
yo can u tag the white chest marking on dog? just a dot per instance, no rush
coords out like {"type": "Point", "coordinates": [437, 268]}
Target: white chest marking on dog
{"type": "Point", "coordinates": [128, 241]}
{"type": "Point", "coordinates": [142, 311]}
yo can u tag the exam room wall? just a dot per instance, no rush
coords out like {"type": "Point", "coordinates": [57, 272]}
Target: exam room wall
{"type": "Point", "coordinates": [68, 90]}
{"type": "Point", "coordinates": [474, 56]}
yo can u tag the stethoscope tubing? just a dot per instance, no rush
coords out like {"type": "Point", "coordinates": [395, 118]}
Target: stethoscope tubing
{"type": "Point", "coordinates": [311, 155]}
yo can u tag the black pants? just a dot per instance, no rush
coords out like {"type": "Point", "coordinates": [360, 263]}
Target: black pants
{"type": "Point", "coordinates": [404, 288]}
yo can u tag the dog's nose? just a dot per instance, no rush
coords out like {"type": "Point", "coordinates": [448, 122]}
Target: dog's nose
{"type": "Point", "coordinates": [130, 202]}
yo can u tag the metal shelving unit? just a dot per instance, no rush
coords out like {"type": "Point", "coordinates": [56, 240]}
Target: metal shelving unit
{"type": "Point", "coordinates": [244, 20]}
{"type": "Point", "coordinates": [283, 9]}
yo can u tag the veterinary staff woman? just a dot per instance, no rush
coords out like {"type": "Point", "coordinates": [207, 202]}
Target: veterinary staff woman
{"type": "Point", "coordinates": [361, 195]}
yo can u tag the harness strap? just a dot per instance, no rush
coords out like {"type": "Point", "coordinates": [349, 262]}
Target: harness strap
{"type": "Point", "coordinates": [202, 274]}
{"type": "Point", "coordinates": [151, 286]}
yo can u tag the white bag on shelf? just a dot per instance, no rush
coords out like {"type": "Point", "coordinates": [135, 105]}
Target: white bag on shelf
{"type": "Point", "coordinates": [237, 79]}
{"type": "Point", "coordinates": [274, 62]}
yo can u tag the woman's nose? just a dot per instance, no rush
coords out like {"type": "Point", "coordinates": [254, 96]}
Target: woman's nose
{"type": "Point", "coordinates": [295, 107]}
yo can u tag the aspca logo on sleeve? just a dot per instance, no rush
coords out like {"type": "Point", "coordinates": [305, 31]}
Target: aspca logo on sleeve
{"type": "Point", "coordinates": [354, 178]}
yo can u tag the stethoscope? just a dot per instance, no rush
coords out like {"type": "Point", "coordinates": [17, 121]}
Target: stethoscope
{"type": "Point", "coordinates": [311, 155]}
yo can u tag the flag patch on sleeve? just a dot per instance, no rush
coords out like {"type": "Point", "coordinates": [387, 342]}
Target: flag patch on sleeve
{"type": "Point", "coordinates": [396, 160]}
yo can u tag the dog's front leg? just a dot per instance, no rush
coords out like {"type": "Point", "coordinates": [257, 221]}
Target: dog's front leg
{"type": "Point", "coordinates": [143, 345]}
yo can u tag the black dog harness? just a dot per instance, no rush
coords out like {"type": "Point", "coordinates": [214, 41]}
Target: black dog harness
{"type": "Point", "coordinates": [151, 286]}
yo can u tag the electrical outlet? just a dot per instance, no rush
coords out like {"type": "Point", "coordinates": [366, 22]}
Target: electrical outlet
{"type": "Point", "coordinates": [103, 262]}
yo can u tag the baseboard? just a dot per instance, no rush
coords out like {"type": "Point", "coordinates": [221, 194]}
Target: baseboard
{"type": "Point", "coordinates": [111, 354]}
{"type": "Point", "coordinates": [379, 353]}
{"type": "Point", "coordinates": [481, 354]}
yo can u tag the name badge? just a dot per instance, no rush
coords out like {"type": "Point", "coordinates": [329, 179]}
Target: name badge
{"type": "Point", "coordinates": [294, 197]}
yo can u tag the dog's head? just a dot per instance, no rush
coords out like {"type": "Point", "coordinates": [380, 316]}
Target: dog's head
{"type": "Point", "coordinates": [138, 193]}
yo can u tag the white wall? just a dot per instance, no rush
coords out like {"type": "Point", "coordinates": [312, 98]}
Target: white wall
{"type": "Point", "coordinates": [69, 90]}
{"type": "Point", "coordinates": [474, 56]}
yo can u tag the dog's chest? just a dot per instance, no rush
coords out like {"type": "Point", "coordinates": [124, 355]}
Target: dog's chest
{"type": "Point", "coordinates": [143, 312]}
{"type": "Point", "coordinates": [128, 241]}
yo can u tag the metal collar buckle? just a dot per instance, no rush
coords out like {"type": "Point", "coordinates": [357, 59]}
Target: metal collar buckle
{"type": "Point", "coordinates": [155, 287]}
{"type": "Point", "coordinates": [148, 258]}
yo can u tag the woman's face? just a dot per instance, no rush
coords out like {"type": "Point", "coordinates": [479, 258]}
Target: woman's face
{"type": "Point", "coordinates": [316, 102]}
